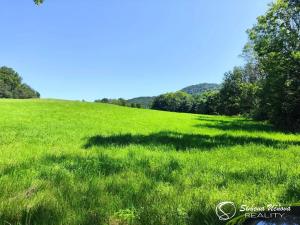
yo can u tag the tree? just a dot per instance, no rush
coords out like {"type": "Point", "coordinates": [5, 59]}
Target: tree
{"type": "Point", "coordinates": [119, 101]}
{"type": "Point", "coordinates": [239, 91]}
{"type": "Point", "coordinates": [104, 100]}
{"type": "Point", "coordinates": [9, 82]}
{"type": "Point", "coordinates": [206, 103]}
{"type": "Point", "coordinates": [276, 41]}
{"type": "Point", "coordinates": [38, 2]}
{"type": "Point", "coordinates": [174, 102]}
{"type": "Point", "coordinates": [231, 91]}
{"type": "Point", "coordinates": [25, 91]}
{"type": "Point", "coordinates": [11, 85]}
{"type": "Point", "coordinates": [122, 102]}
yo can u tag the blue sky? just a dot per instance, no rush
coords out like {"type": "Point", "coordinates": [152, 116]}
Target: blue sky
{"type": "Point", "coordinates": [89, 49]}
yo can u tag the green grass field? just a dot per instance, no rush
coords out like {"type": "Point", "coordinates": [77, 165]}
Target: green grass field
{"type": "Point", "coordinates": [71, 163]}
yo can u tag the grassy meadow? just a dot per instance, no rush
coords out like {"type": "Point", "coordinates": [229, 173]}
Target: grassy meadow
{"type": "Point", "coordinates": [76, 163]}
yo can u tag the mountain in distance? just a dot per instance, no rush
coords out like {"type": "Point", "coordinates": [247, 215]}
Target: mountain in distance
{"type": "Point", "coordinates": [193, 90]}
{"type": "Point", "coordinates": [200, 88]}
{"type": "Point", "coordinates": [145, 102]}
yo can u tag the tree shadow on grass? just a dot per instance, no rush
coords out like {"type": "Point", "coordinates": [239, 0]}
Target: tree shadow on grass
{"type": "Point", "coordinates": [242, 124]}
{"type": "Point", "coordinates": [181, 141]}
{"type": "Point", "coordinates": [217, 118]}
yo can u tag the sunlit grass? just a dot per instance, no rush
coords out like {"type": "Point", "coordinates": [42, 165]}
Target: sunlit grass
{"type": "Point", "coordinates": [65, 162]}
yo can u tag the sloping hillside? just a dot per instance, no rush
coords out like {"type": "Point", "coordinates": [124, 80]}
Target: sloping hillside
{"type": "Point", "coordinates": [65, 162]}
{"type": "Point", "coordinates": [200, 88]}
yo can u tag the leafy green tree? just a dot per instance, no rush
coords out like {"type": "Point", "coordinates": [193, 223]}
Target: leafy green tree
{"type": "Point", "coordinates": [104, 100]}
{"type": "Point", "coordinates": [248, 98]}
{"type": "Point", "coordinates": [25, 91]}
{"type": "Point", "coordinates": [239, 91]}
{"type": "Point", "coordinates": [231, 91]}
{"type": "Point", "coordinates": [122, 102]}
{"type": "Point", "coordinates": [276, 41]}
{"type": "Point", "coordinates": [38, 2]}
{"type": "Point", "coordinates": [11, 85]}
{"type": "Point", "coordinates": [212, 102]}
{"type": "Point", "coordinates": [174, 102]}
{"type": "Point", "coordinates": [9, 82]}
{"type": "Point", "coordinates": [206, 103]}
{"type": "Point", "coordinates": [199, 104]}
{"type": "Point", "coordinates": [250, 87]}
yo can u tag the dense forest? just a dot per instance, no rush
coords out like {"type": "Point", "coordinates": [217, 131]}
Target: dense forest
{"type": "Point", "coordinates": [11, 85]}
{"type": "Point", "coordinates": [267, 87]}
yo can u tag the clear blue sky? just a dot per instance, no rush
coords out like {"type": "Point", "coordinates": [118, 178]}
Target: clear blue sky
{"type": "Point", "coordinates": [89, 49]}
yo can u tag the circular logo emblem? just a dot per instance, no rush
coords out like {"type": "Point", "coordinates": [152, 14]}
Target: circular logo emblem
{"type": "Point", "coordinates": [225, 210]}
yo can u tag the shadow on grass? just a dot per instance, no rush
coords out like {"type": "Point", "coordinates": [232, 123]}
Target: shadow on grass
{"type": "Point", "coordinates": [181, 141]}
{"type": "Point", "coordinates": [242, 124]}
{"type": "Point", "coordinates": [214, 118]}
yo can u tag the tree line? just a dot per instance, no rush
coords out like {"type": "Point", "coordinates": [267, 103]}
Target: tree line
{"type": "Point", "coordinates": [267, 87]}
{"type": "Point", "coordinates": [11, 85]}
{"type": "Point", "coordinates": [119, 101]}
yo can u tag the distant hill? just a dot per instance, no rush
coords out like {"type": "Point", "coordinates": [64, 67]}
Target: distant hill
{"type": "Point", "coordinates": [200, 88]}
{"type": "Point", "coordinates": [193, 90]}
{"type": "Point", "coordinates": [144, 101]}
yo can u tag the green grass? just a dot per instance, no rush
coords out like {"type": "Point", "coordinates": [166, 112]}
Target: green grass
{"type": "Point", "coordinates": [65, 162]}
